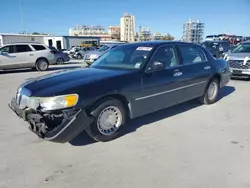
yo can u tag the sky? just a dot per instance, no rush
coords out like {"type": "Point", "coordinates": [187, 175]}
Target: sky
{"type": "Point", "coordinates": [165, 16]}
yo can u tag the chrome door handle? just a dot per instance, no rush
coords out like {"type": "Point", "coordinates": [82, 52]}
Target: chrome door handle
{"type": "Point", "coordinates": [207, 67]}
{"type": "Point", "coordinates": [178, 74]}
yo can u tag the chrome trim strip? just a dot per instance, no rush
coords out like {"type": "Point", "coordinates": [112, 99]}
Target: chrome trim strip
{"type": "Point", "coordinates": [169, 91]}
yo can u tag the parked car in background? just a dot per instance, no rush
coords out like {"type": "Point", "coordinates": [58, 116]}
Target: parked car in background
{"type": "Point", "coordinates": [60, 56]}
{"type": "Point", "coordinates": [129, 81]}
{"type": "Point", "coordinates": [71, 50]}
{"type": "Point", "coordinates": [217, 48]}
{"type": "Point", "coordinates": [93, 55]}
{"type": "Point", "coordinates": [79, 54]}
{"type": "Point", "coordinates": [26, 55]}
{"type": "Point", "coordinates": [239, 60]}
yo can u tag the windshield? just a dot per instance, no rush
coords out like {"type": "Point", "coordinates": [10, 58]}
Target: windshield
{"type": "Point", "coordinates": [103, 48]}
{"type": "Point", "coordinates": [124, 57]}
{"type": "Point", "coordinates": [242, 48]}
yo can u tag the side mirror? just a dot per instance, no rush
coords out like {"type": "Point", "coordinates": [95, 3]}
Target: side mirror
{"type": "Point", "coordinates": [4, 53]}
{"type": "Point", "coordinates": [156, 66]}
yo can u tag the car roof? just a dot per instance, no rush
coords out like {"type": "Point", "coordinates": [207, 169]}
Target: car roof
{"type": "Point", "coordinates": [25, 43]}
{"type": "Point", "coordinates": [217, 41]}
{"type": "Point", "coordinates": [157, 43]}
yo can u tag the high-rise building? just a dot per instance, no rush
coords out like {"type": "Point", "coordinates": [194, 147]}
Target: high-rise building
{"type": "Point", "coordinates": [127, 25]}
{"type": "Point", "coordinates": [193, 31]}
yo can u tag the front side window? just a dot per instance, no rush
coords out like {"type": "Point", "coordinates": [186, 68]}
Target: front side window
{"type": "Point", "coordinates": [22, 48]}
{"type": "Point", "coordinates": [166, 55]}
{"type": "Point", "coordinates": [192, 54]}
{"type": "Point", "coordinates": [7, 49]}
{"type": "Point", "coordinates": [242, 48]}
{"type": "Point", "coordinates": [124, 57]}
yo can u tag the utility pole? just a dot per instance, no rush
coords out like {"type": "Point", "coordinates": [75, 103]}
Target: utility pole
{"type": "Point", "coordinates": [21, 12]}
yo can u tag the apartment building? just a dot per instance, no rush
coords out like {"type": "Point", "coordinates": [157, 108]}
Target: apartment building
{"type": "Point", "coordinates": [127, 25]}
{"type": "Point", "coordinates": [193, 31]}
{"type": "Point", "coordinates": [114, 32]}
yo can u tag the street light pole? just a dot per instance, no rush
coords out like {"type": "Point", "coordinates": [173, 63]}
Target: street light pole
{"type": "Point", "coordinates": [21, 11]}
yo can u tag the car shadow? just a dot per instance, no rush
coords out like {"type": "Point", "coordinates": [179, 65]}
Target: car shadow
{"type": "Point", "coordinates": [55, 68]}
{"type": "Point", "coordinates": [134, 124]}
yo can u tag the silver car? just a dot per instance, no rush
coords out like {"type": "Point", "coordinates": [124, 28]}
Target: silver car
{"type": "Point", "coordinates": [93, 55]}
{"type": "Point", "coordinates": [239, 60]}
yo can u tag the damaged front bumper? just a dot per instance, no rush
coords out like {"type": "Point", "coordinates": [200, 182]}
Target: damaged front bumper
{"type": "Point", "coordinates": [57, 126]}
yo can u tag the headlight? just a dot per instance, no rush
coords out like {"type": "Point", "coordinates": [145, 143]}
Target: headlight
{"type": "Point", "coordinates": [53, 103]}
{"type": "Point", "coordinates": [93, 56]}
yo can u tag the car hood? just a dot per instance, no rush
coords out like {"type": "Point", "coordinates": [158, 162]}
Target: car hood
{"type": "Point", "coordinates": [95, 52]}
{"type": "Point", "coordinates": [65, 82]}
{"type": "Point", "coordinates": [238, 56]}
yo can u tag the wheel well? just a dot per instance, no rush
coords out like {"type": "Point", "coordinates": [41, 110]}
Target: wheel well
{"type": "Point", "coordinates": [119, 97]}
{"type": "Point", "coordinates": [217, 76]}
{"type": "Point", "coordinates": [42, 58]}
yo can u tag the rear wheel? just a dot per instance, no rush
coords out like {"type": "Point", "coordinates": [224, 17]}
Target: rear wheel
{"type": "Point", "coordinates": [110, 116]}
{"type": "Point", "coordinates": [211, 93]}
{"type": "Point", "coordinates": [42, 65]}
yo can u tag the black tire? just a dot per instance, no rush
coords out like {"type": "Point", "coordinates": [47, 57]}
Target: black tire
{"type": "Point", "coordinates": [59, 61]}
{"type": "Point", "coordinates": [206, 99]}
{"type": "Point", "coordinates": [94, 130]}
{"type": "Point", "coordinates": [42, 65]}
{"type": "Point", "coordinates": [79, 56]}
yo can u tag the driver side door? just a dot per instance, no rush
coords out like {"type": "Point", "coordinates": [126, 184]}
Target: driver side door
{"type": "Point", "coordinates": [163, 88]}
{"type": "Point", "coordinates": [7, 57]}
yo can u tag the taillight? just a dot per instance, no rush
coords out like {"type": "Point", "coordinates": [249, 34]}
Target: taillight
{"type": "Point", "coordinates": [51, 51]}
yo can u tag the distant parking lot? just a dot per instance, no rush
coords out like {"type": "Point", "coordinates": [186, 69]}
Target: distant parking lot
{"type": "Point", "coordinates": [189, 145]}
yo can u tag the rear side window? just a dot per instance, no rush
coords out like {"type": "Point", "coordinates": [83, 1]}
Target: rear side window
{"type": "Point", "coordinates": [22, 48]}
{"type": "Point", "coordinates": [192, 54]}
{"type": "Point", "coordinates": [38, 47]}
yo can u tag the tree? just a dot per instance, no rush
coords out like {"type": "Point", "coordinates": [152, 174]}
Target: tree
{"type": "Point", "coordinates": [168, 37]}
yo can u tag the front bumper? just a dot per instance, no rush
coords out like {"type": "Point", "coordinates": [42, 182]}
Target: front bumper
{"type": "Point", "coordinates": [225, 79]}
{"type": "Point", "coordinates": [60, 127]}
{"type": "Point", "coordinates": [240, 72]}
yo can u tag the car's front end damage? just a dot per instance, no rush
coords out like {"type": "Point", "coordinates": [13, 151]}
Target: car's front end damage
{"type": "Point", "coordinates": [48, 120]}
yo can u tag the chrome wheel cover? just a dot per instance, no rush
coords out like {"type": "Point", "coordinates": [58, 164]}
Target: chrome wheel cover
{"type": "Point", "coordinates": [43, 65]}
{"type": "Point", "coordinates": [212, 91]}
{"type": "Point", "coordinates": [109, 120]}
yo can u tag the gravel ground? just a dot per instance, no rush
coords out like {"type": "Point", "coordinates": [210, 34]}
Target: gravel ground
{"type": "Point", "coordinates": [190, 145]}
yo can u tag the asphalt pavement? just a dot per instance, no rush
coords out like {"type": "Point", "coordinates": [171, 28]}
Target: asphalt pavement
{"type": "Point", "coordinates": [186, 146]}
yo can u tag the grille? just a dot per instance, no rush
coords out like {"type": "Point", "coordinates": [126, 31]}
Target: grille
{"type": "Point", "coordinates": [22, 97]}
{"type": "Point", "coordinates": [238, 64]}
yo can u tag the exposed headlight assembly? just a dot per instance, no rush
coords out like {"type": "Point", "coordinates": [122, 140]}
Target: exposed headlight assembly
{"type": "Point", "coordinates": [53, 103]}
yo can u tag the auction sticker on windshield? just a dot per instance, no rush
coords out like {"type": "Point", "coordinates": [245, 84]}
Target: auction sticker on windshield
{"type": "Point", "coordinates": [144, 48]}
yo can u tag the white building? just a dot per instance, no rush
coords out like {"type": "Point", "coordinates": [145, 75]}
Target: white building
{"type": "Point", "coordinates": [8, 38]}
{"type": "Point", "coordinates": [127, 25]}
{"type": "Point", "coordinates": [193, 31]}
{"type": "Point", "coordinates": [65, 42]}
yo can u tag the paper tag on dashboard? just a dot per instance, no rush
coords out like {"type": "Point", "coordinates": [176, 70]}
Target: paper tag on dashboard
{"type": "Point", "coordinates": [144, 48]}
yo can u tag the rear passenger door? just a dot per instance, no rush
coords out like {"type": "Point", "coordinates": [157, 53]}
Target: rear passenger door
{"type": "Point", "coordinates": [196, 70]}
{"type": "Point", "coordinates": [25, 55]}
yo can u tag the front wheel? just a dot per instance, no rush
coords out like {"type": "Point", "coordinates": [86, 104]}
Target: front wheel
{"type": "Point", "coordinates": [42, 65]}
{"type": "Point", "coordinates": [211, 93]}
{"type": "Point", "coordinates": [110, 116]}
